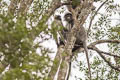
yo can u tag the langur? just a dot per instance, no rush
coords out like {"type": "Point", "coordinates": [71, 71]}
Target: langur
{"type": "Point", "coordinates": [81, 37]}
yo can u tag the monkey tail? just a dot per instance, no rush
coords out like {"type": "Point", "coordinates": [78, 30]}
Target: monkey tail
{"type": "Point", "coordinates": [86, 52]}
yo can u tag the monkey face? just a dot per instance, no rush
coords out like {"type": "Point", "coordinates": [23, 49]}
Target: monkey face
{"type": "Point", "coordinates": [68, 17]}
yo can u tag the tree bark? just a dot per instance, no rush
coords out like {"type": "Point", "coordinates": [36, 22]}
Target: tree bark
{"type": "Point", "coordinates": [85, 11]}
{"type": "Point", "coordinates": [24, 5]}
{"type": "Point", "coordinates": [56, 63]}
{"type": "Point", "coordinates": [12, 7]}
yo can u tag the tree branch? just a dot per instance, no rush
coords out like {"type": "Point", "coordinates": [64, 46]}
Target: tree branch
{"type": "Point", "coordinates": [24, 6]}
{"type": "Point", "coordinates": [94, 16]}
{"type": "Point", "coordinates": [104, 41]}
{"type": "Point", "coordinates": [106, 53]}
{"type": "Point", "coordinates": [109, 63]}
{"type": "Point", "coordinates": [55, 5]}
{"type": "Point", "coordinates": [71, 35]}
{"type": "Point", "coordinates": [92, 47]}
{"type": "Point", "coordinates": [12, 7]}
{"type": "Point", "coordinates": [56, 63]}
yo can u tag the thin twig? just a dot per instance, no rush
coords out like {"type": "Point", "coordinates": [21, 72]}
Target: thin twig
{"type": "Point", "coordinates": [94, 16]}
{"type": "Point", "coordinates": [100, 53]}
{"type": "Point", "coordinates": [104, 41]}
{"type": "Point", "coordinates": [106, 53]}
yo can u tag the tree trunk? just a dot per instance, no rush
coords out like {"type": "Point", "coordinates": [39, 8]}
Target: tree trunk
{"type": "Point", "coordinates": [85, 11]}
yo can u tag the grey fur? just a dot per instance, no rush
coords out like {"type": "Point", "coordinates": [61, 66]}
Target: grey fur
{"type": "Point", "coordinates": [81, 38]}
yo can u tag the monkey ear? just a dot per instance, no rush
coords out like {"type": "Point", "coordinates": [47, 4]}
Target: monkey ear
{"type": "Point", "coordinates": [58, 17]}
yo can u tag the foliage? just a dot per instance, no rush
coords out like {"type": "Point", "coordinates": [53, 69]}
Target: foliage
{"type": "Point", "coordinates": [19, 59]}
{"type": "Point", "coordinates": [17, 47]}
